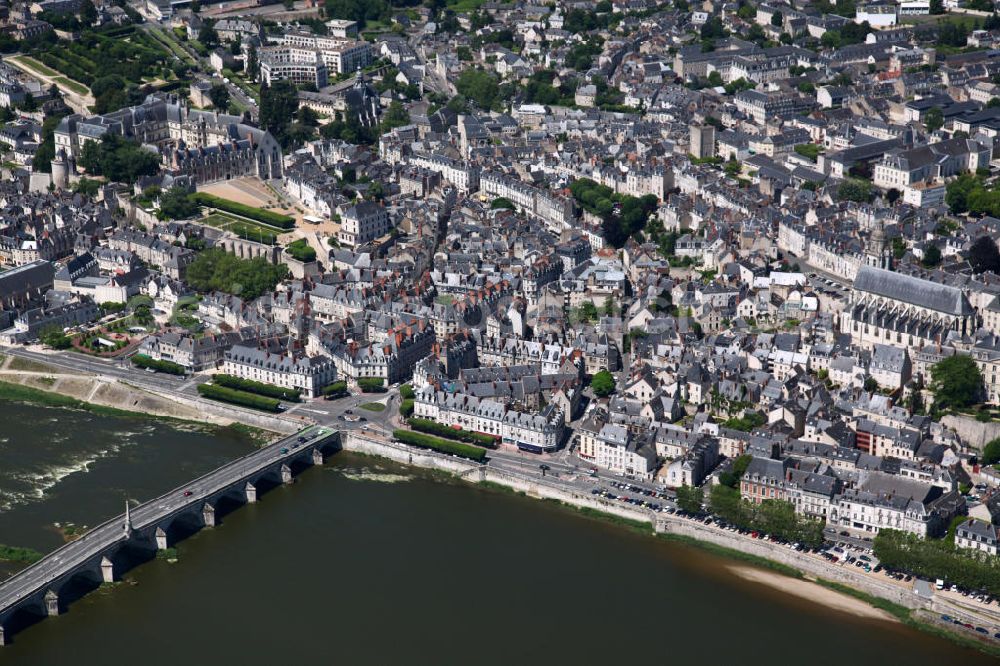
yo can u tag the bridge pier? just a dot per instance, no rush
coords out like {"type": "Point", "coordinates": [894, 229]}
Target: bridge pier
{"type": "Point", "coordinates": [251, 491]}
{"type": "Point", "coordinates": [51, 603]}
{"type": "Point", "coordinates": [317, 456]}
{"type": "Point", "coordinates": [161, 539]}
{"type": "Point", "coordinates": [107, 570]}
{"type": "Point", "coordinates": [208, 515]}
{"type": "Point", "coordinates": [286, 474]}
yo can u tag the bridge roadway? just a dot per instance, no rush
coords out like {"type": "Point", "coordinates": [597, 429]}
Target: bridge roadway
{"type": "Point", "coordinates": [36, 589]}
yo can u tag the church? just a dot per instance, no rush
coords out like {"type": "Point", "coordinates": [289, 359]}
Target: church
{"type": "Point", "coordinates": [901, 310]}
{"type": "Point", "coordinates": [904, 311]}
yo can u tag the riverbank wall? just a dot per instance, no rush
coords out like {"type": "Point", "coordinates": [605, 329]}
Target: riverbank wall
{"type": "Point", "coordinates": [115, 394]}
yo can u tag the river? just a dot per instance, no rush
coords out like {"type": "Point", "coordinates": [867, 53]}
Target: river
{"type": "Point", "coordinates": [367, 562]}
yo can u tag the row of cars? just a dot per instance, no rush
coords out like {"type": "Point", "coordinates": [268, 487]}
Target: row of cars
{"type": "Point", "coordinates": [958, 623]}
{"type": "Point", "coordinates": [635, 501]}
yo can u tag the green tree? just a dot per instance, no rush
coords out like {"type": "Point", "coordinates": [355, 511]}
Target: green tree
{"type": "Point", "coordinates": [690, 499]}
{"type": "Point", "coordinates": [956, 381]}
{"type": "Point", "coordinates": [479, 86]}
{"type": "Point", "coordinates": [855, 189]}
{"type": "Point", "coordinates": [777, 19]}
{"type": "Point", "coordinates": [118, 159]}
{"type": "Point", "coordinates": [991, 453]}
{"type": "Point", "coordinates": [278, 104]}
{"type": "Point", "coordinates": [53, 336]}
{"type": "Point", "coordinates": [609, 307]}
{"type": "Point", "coordinates": [219, 94]}
{"type": "Point", "coordinates": [88, 13]}
{"type": "Point", "coordinates": [933, 119]}
{"type": "Point", "coordinates": [602, 383]}
{"type": "Point", "coordinates": [932, 256]}
{"type": "Point", "coordinates": [395, 116]}
{"type": "Point", "coordinates": [216, 270]}
{"type": "Point", "coordinates": [937, 6]}
{"type": "Point", "coordinates": [175, 204]}
{"type": "Point", "coordinates": [207, 34]}
{"type": "Point", "coordinates": [253, 63]}
{"type": "Point", "coordinates": [984, 255]}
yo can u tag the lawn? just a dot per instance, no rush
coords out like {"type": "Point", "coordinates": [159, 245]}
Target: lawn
{"type": "Point", "coordinates": [169, 40]}
{"type": "Point", "coordinates": [459, 6]}
{"type": "Point", "coordinates": [373, 406]}
{"type": "Point", "coordinates": [35, 65]}
{"type": "Point", "coordinates": [243, 228]}
{"type": "Point", "coordinates": [25, 365]}
{"type": "Point", "coordinates": [75, 86]}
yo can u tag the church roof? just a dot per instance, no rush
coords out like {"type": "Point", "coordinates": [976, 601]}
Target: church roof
{"type": "Point", "coordinates": [913, 290]}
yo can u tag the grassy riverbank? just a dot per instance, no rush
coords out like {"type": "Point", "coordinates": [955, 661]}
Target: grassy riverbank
{"type": "Point", "coordinates": [21, 393]}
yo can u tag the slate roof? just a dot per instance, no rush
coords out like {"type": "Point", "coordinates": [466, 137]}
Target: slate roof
{"type": "Point", "coordinates": [913, 290]}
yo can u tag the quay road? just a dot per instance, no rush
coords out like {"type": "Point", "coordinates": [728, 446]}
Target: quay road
{"type": "Point", "coordinates": [59, 567]}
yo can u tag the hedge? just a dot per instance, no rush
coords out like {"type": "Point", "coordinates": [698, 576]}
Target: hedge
{"type": "Point", "coordinates": [169, 367]}
{"type": "Point", "coordinates": [435, 428]}
{"type": "Point", "coordinates": [301, 251]}
{"type": "Point", "coordinates": [335, 390]}
{"type": "Point", "coordinates": [239, 397]}
{"type": "Point", "coordinates": [437, 444]}
{"type": "Point", "coordinates": [371, 385]}
{"type": "Point", "coordinates": [260, 388]}
{"type": "Point", "coordinates": [258, 214]}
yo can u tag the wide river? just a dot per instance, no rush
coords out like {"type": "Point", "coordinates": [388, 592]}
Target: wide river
{"type": "Point", "coordinates": [365, 562]}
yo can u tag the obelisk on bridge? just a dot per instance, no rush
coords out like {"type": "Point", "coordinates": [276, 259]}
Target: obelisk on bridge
{"type": "Point", "coordinates": [128, 521]}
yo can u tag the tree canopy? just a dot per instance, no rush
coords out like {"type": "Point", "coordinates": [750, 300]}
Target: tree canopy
{"type": "Point", "coordinates": [118, 159]}
{"type": "Point", "coordinates": [479, 86]}
{"type": "Point", "coordinates": [991, 453]}
{"type": "Point", "coordinates": [278, 104]}
{"type": "Point", "coordinates": [956, 381]}
{"type": "Point", "coordinates": [216, 270]}
{"type": "Point", "coordinates": [175, 204]}
{"type": "Point", "coordinates": [603, 383]}
{"type": "Point", "coordinates": [984, 255]}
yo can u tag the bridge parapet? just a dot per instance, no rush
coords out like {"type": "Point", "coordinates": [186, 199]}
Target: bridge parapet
{"type": "Point", "coordinates": [38, 589]}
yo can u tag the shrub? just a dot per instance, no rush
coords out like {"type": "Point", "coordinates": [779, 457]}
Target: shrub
{"type": "Point", "coordinates": [16, 554]}
{"type": "Point", "coordinates": [236, 397]}
{"type": "Point", "coordinates": [406, 392]}
{"type": "Point", "coordinates": [442, 445]}
{"type": "Point", "coordinates": [435, 428]}
{"type": "Point", "coordinates": [301, 251]}
{"type": "Point", "coordinates": [169, 367]}
{"type": "Point", "coordinates": [260, 388]}
{"type": "Point", "coordinates": [371, 385]}
{"type": "Point", "coordinates": [406, 408]}
{"type": "Point", "coordinates": [335, 390]}
{"type": "Point", "coordinates": [258, 214]}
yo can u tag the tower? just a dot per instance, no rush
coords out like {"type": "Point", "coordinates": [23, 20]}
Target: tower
{"type": "Point", "coordinates": [878, 253]}
{"type": "Point", "coordinates": [60, 170]}
{"type": "Point", "coordinates": [128, 521]}
{"type": "Point", "coordinates": [702, 141]}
